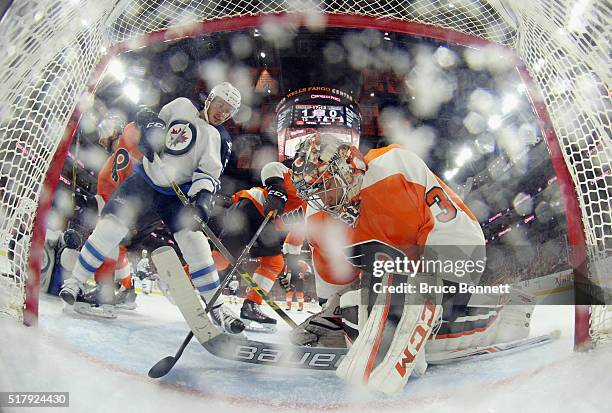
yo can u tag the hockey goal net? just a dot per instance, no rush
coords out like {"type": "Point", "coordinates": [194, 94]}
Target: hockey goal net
{"type": "Point", "coordinates": [52, 49]}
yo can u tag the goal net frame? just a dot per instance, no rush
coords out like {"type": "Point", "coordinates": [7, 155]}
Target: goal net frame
{"type": "Point", "coordinates": [42, 97]}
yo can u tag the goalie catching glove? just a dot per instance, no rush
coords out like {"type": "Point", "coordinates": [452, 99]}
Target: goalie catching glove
{"type": "Point", "coordinates": [153, 133]}
{"type": "Point", "coordinates": [323, 329]}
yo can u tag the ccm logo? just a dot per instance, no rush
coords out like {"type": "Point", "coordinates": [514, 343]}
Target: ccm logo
{"type": "Point", "coordinates": [416, 338]}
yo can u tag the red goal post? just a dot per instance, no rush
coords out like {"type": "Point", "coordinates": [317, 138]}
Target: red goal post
{"type": "Point", "coordinates": [55, 51]}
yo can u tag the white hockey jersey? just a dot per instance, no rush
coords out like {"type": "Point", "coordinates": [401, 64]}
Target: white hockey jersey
{"type": "Point", "coordinates": [143, 265]}
{"type": "Point", "coordinates": [194, 150]}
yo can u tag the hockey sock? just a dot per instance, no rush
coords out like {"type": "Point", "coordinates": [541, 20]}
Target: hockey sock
{"type": "Point", "coordinates": [300, 298]}
{"type": "Point", "coordinates": [289, 299]}
{"type": "Point", "coordinates": [265, 275]}
{"type": "Point", "coordinates": [100, 244]}
{"type": "Point", "coordinates": [122, 266]}
{"type": "Point", "coordinates": [198, 255]}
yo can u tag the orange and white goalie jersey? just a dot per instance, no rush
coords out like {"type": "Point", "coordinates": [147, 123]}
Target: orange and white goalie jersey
{"type": "Point", "coordinates": [120, 164]}
{"type": "Point", "coordinates": [403, 204]}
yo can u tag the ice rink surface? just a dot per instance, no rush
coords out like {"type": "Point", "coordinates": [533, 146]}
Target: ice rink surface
{"type": "Point", "coordinates": [104, 365]}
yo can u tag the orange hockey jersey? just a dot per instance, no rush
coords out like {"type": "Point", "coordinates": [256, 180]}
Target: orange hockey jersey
{"type": "Point", "coordinates": [258, 195]}
{"type": "Point", "coordinates": [120, 164]}
{"type": "Point", "coordinates": [402, 204]}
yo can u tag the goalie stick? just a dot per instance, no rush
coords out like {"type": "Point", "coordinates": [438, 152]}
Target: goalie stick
{"type": "Point", "coordinates": [326, 358]}
{"type": "Point", "coordinates": [235, 348]}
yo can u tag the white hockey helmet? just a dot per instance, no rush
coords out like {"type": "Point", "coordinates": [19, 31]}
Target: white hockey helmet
{"type": "Point", "coordinates": [109, 130]}
{"type": "Point", "coordinates": [144, 253]}
{"type": "Point", "coordinates": [228, 93]}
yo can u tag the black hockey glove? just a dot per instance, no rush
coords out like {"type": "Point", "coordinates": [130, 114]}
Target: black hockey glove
{"type": "Point", "coordinates": [152, 133]}
{"type": "Point", "coordinates": [72, 239]}
{"type": "Point", "coordinates": [277, 196]}
{"type": "Point", "coordinates": [202, 206]}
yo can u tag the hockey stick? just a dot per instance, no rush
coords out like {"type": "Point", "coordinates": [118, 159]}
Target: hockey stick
{"type": "Point", "coordinates": [162, 367]}
{"type": "Point", "coordinates": [492, 350]}
{"type": "Point", "coordinates": [188, 302]}
{"type": "Point", "coordinates": [326, 358]}
{"type": "Point", "coordinates": [238, 263]}
{"type": "Point", "coordinates": [236, 348]}
{"type": "Point", "coordinates": [167, 265]}
{"type": "Point", "coordinates": [228, 255]}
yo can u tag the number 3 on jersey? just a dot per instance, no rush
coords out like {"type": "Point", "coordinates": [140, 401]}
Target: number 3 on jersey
{"type": "Point", "coordinates": [436, 195]}
{"type": "Point", "coordinates": [121, 161]}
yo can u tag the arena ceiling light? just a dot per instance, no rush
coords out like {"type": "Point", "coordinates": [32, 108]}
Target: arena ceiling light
{"type": "Point", "coordinates": [116, 69]}
{"type": "Point", "coordinates": [132, 92]}
{"type": "Point", "coordinates": [448, 175]}
{"type": "Point", "coordinates": [494, 122]}
{"type": "Point", "coordinates": [509, 103]}
{"type": "Point", "coordinates": [465, 154]}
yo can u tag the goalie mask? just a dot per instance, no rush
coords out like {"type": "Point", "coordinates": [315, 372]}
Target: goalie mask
{"type": "Point", "coordinates": [327, 173]}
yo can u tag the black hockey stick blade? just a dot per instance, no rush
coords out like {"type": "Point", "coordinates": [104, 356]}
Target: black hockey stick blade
{"type": "Point", "coordinates": [163, 367]}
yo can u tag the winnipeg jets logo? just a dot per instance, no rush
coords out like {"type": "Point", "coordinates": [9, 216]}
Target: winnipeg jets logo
{"type": "Point", "coordinates": [180, 137]}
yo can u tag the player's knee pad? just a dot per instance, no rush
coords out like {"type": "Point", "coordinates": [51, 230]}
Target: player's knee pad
{"type": "Point", "coordinates": [194, 247]}
{"type": "Point", "coordinates": [107, 235]}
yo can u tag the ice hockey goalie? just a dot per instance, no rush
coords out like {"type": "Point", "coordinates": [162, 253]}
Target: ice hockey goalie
{"type": "Point", "coordinates": [366, 217]}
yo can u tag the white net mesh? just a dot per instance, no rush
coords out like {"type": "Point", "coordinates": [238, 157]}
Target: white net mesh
{"type": "Point", "coordinates": [49, 49]}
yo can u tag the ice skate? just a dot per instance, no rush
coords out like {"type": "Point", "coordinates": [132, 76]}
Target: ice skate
{"type": "Point", "coordinates": [126, 299]}
{"type": "Point", "coordinates": [224, 318]}
{"type": "Point", "coordinates": [89, 303]}
{"type": "Point", "coordinates": [255, 319]}
{"type": "Point", "coordinates": [70, 290]}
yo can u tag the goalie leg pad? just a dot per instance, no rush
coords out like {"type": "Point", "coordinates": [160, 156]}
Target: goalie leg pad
{"type": "Point", "coordinates": [403, 355]}
{"type": "Point", "coordinates": [390, 343]}
{"type": "Point", "coordinates": [514, 323]}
